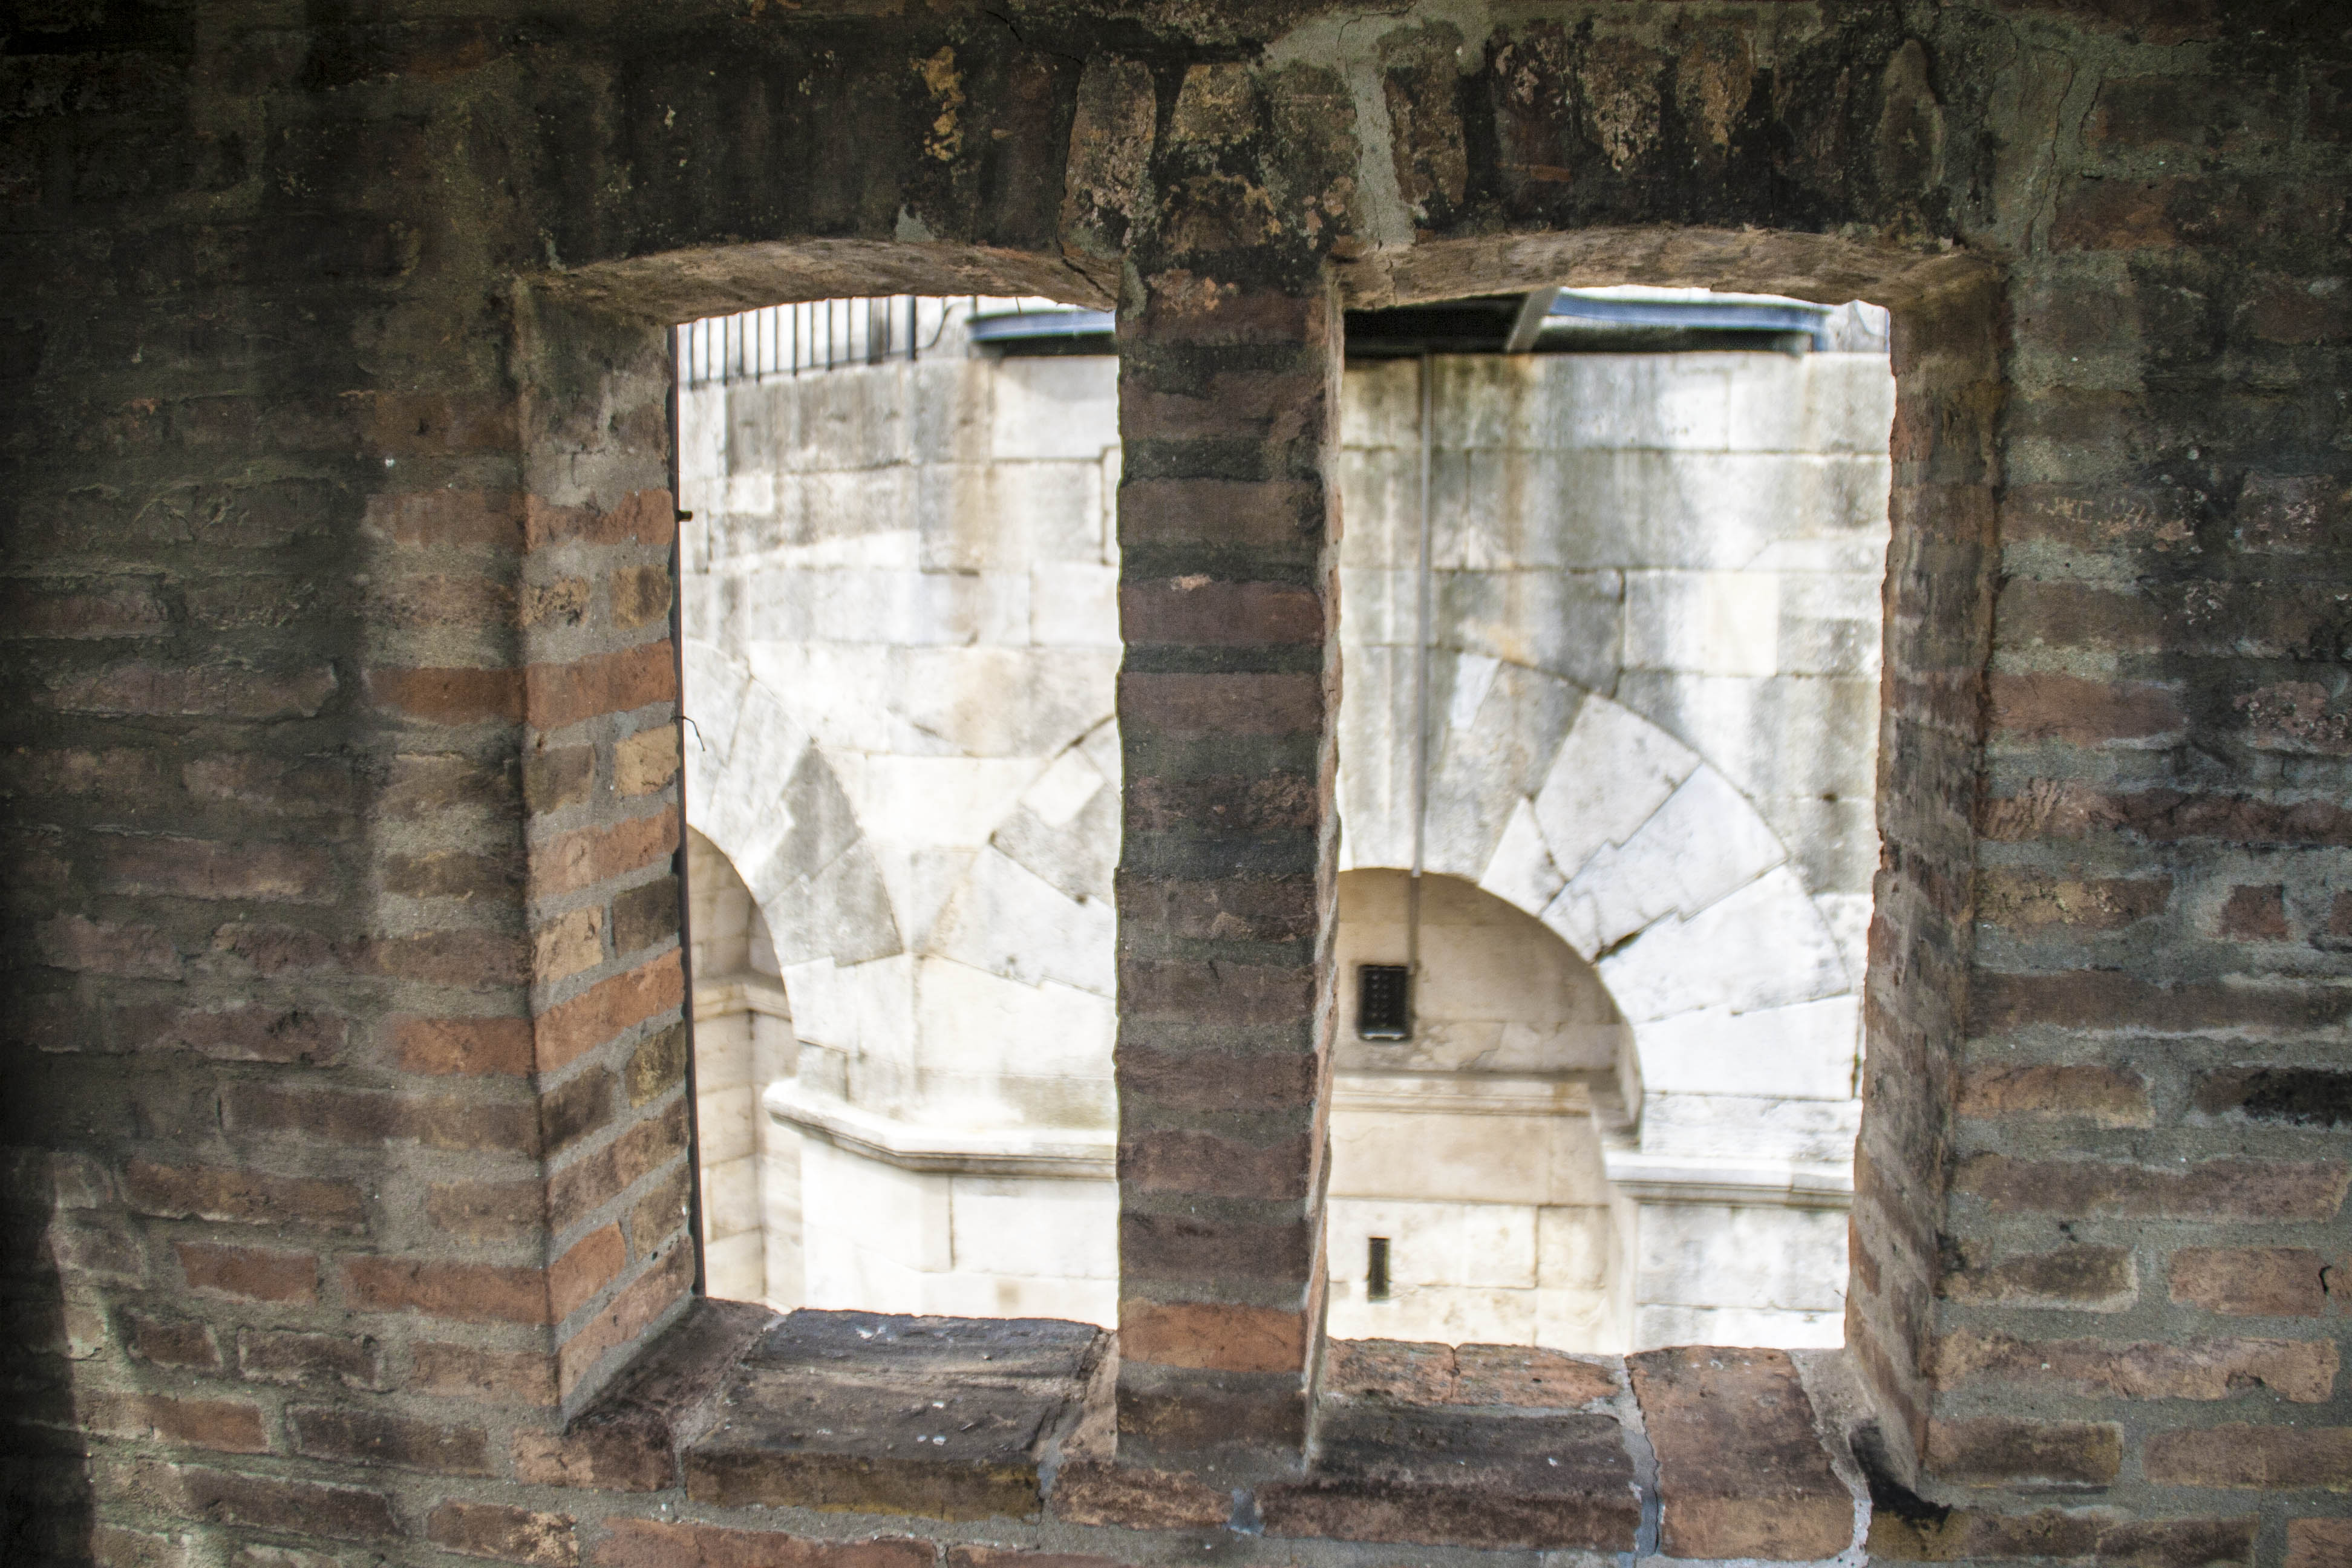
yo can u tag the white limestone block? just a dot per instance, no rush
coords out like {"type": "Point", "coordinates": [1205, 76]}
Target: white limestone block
{"type": "Point", "coordinates": [1613, 772]}
{"type": "Point", "coordinates": [1762, 946]}
{"type": "Point", "coordinates": [1657, 1327]}
{"type": "Point", "coordinates": [1721, 1255]}
{"type": "Point", "coordinates": [1521, 871]}
{"type": "Point", "coordinates": [1074, 605]}
{"type": "Point", "coordinates": [722, 1124]}
{"type": "Point", "coordinates": [1062, 790]}
{"type": "Point", "coordinates": [1847, 915]}
{"type": "Point", "coordinates": [1574, 1247]}
{"type": "Point", "coordinates": [723, 1052]}
{"type": "Point", "coordinates": [967, 1294]}
{"type": "Point", "coordinates": [1714, 1123]}
{"type": "Point", "coordinates": [1078, 857]}
{"type": "Point", "coordinates": [1709, 623]}
{"type": "Point", "coordinates": [1008, 921]}
{"type": "Point", "coordinates": [1451, 1314]}
{"type": "Point", "coordinates": [932, 802]}
{"type": "Point", "coordinates": [1802, 1051]}
{"type": "Point", "coordinates": [905, 1217]}
{"type": "Point", "coordinates": [1704, 842]}
{"type": "Point", "coordinates": [1036, 1227]}
{"type": "Point", "coordinates": [982, 1023]}
{"type": "Point", "coordinates": [1503, 730]}
{"type": "Point", "coordinates": [857, 1009]}
{"type": "Point", "coordinates": [1468, 1159]}
{"type": "Point", "coordinates": [735, 1267]}
{"type": "Point", "coordinates": [1679, 402]}
{"type": "Point", "coordinates": [1483, 1246]}
{"type": "Point", "coordinates": [1380, 405]}
{"type": "Point", "coordinates": [730, 1197]}
{"type": "Point", "coordinates": [1055, 405]}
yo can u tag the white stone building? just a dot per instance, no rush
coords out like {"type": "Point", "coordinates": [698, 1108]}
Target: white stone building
{"type": "Point", "coordinates": [1627, 1114]}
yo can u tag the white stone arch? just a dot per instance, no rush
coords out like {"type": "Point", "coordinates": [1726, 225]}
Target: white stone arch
{"type": "Point", "coordinates": [1643, 856]}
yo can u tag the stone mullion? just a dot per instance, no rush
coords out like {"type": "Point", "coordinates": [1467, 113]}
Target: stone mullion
{"type": "Point", "coordinates": [1228, 406]}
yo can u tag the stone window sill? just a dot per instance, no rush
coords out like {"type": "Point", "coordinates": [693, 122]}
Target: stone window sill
{"type": "Point", "coordinates": [1695, 1452]}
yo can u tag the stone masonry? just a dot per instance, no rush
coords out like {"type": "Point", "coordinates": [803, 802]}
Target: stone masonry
{"type": "Point", "coordinates": [348, 1163]}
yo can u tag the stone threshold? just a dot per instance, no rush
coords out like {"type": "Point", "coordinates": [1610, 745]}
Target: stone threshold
{"type": "Point", "coordinates": [1692, 1453]}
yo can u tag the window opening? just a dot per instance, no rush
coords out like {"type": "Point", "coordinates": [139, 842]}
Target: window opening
{"type": "Point", "coordinates": [1376, 1269]}
{"type": "Point", "coordinates": [1610, 612]}
{"type": "Point", "coordinates": [898, 586]}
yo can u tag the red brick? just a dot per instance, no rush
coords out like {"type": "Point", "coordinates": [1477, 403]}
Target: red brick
{"type": "Point", "coordinates": [1212, 1166]}
{"type": "Point", "coordinates": [640, 517]}
{"type": "Point", "coordinates": [580, 1106]}
{"type": "Point", "coordinates": [467, 1292]}
{"type": "Point", "coordinates": [1205, 1335]}
{"type": "Point", "coordinates": [451, 874]}
{"type": "Point", "coordinates": [561, 776]}
{"type": "Point", "coordinates": [442, 599]}
{"type": "Point", "coordinates": [596, 1178]}
{"type": "Point", "coordinates": [1004, 1557]}
{"type": "Point", "coordinates": [569, 1029]}
{"type": "Point", "coordinates": [667, 1279]}
{"type": "Point", "coordinates": [2105, 1097]}
{"type": "Point", "coordinates": [2251, 1281]}
{"type": "Point", "coordinates": [432, 424]}
{"type": "Point", "coordinates": [623, 1457]}
{"type": "Point", "coordinates": [35, 610]}
{"type": "Point", "coordinates": [1201, 992]}
{"type": "Point", "coordinates": [590, 855]}
{"type": "Point", "coordinates": [2101, 999]}
{"type": "Point", "coordinates": [646, 761]}
{"type": "Point", "coordinates": [659, 1212]}
{"type": "Point", "coordinates": [230, 1426]}
{"type": "Point", "coordinates": [133, 952]}
{"type": "Point", "coordinates": [360, 1118]}
{"type": "Point", "coordinates": [375, 1437]}
{"type": "Point", "coordinates": [2303, 1371]}
{"type": "Point", "coordinates": [2083, 1534]}
{"type": "Point", "coordinates": [196, 692]}
{"type": "Point", "coordinates": [556, 696]}
{"type": "Point", "coordinates": [2273, 1459]}
{"type": "Point", "coordinates": [2211, 1189]}
{"type": "Point", "coordinates": [487, 1377]}
{"type": "Point", "coordinates": [447, 517]}
{"type": "Point", "coordinates": [111, 1546]}
{"type": "Point", "coordinates": [242, 1034]}
{"type": "Point", "coordinates": [488, 1211]}
{"type": "Point", "coordinates": [449, 695]}
{"type": "Point", "coordinates": [2290, 515]}
{"type": "Point", "coordinates": [242, 1198]}
{"type": "Point", "coordinates": [646, 1543]}
{"type": "Point", "coordinates": [2319, 1544]}
{"type": "Point", "coordinates": [594, 1262]}
{"type": "Point", "coordinates": [199, 868]}
{"type": "Point", "coordinates": [2034, 900]}
{"type": "Point", "coordinates": [474, 959]}
{"type": "Point", "coordinates": [2077, 1278]}
{"type": "Point", "coordinates": [567, 944]}
{"type": "Point", "coordinates": [1197, 613]}
{"type": "Point", "coordinates": [264, 1355]}
{"type": "Point", "coordinates": [1998, 1452]}
{"type": "Point", "coordinates": [186, 1343]}
{"type": "Point", "coordinates": [639, 595]}
{"type": "Point", "coordinates": [1134, 1497]}
{"type": "Point", "coordinates": [267, 1502]}
{"type": "Point", "coordinates": [2255, 914]}
{"type": "Point", "coordinates": [251, 1273]}
{"type": "Point", "coordinates": [1208, 705]}
{"type": "Point", "coordinates": [1741, 1472]}
{"type": "Point", "coordinates": [2045, 706]}
{"type": "Point", "coordinates": [463, 1045]}
{"type": "Point", "coordinates": [507, 1534]}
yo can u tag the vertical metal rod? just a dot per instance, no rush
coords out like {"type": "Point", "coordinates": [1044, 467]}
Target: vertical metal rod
{"type": "Point", "coordinates": [1421, 588]}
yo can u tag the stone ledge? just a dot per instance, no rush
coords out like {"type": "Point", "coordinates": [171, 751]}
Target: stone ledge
{"type": "Point", "coordinates": [1480, 1447]}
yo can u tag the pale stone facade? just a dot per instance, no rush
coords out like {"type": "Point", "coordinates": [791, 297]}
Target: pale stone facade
{"type": "Point", "coordinates": [1627, 1118]}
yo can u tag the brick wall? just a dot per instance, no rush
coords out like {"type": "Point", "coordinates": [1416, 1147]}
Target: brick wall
{"type": "Point", "coordinates": [347, 1145]}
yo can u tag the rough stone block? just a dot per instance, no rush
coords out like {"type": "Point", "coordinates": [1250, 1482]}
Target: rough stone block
{"type": "Point", "coordinates": [1741, 1470]}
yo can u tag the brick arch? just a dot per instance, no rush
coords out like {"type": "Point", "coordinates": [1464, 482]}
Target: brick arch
{"type": "Point", "coordinates": [1632, 849]}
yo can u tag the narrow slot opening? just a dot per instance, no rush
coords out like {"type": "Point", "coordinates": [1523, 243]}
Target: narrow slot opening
{"type": "Point", "coordinates": [1376, 1269]}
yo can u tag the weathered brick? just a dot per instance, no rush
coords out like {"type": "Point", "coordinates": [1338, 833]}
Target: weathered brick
{"type": "Point", "coordinates": [2107, 1096]}
{"type": "Point", "coordinates": [488, 1211]}
{"type": "Point", "coordinates": [452, 873]}
{"type": "Point", "coordinates": [2293, 1096]}
{"type": "Point", "coordinates": [657, 1064]}
{"type": "Point", "coordinates": [639, 595]}
{"type": "Point", "coordinates": [229, 1427]}
{"type": "Point", "coordinates": [447, 517]}
{"type": "Point", "coordinates": [646, 761]}
{"type": "Point", "coordinates": [1202, 1334]}
{"type": "Point", "coordinates": [468, 1293]}
{"type": "Point", "coordinates": [582, 859]}
{"type": "Point", "coordinates": [449, 695]}
{"type": "Point", "coordinates": [2100, 999]}
{"type": "Point", "coordinates": [202, 868]}
{"type": "Point", "coordinates": [132, 951]}
{"type": "Point", "coordinates": [2279, 1458]}
{"type": "Point", "coordinates": [2319, 1543]}
{"type": "Point", "coordinates": [2254, 915]}
{"type": "Point", "coordinates": [659, 1212]}
{"type": "Point", "coordinates": [187, 1342]}
{"type": "Point", "coordinates": [2034, 900]}
{"type": "Point", "coordinates": [2051, 707]}
{"type": "Point", "coordinates": [2303, 1371]}
{"type": "Point", "coordinates": [1202, 1162]}
{"type": "Point", "coordinates": [558, 776]}
{"type": "Point", "coordinates": [2251, 1281]}
{"type": "Point", "coordinates": [267, 1355]}
{"type": "Point", "coordinates": [660, 1286]}
{"type": "Point", "coordinates": [1221, 704]}
{"type": "Point", "coordinates": [594, 1179]}
{"type": "Point", "coordinates": [641, 517]}
{"type": "Point", "coordinates": [567, 944]}
{"type": "Point", "coordinates": [242, 1198]}
{"type": "Point", "coordinates": [593, 1261]}
{"type": "Point", "coordinates": [556, 696]}
{"type": "Point", "coordinates": [507, 1534]}
{"type": "Point", "coordinates": [2082, 1534]}
{"type": "Point", "coordinates": [359, 1117]}
{"type": "Point", "coordinates": [241, 1033]}
{"type": "Point", "coordinates": [489, 1377]}
{"type": "Point", "coordinates": [376, 1437]}
{"type": "Point", "coordinates": [648, 1543]}
{"type": "Point", "coordinates": [1136, 1497]}
{"type": "Point", "coordinates": [463, 1045]}
{"type": "Point", "coordinates": [2075, 1279]}
{"type": "Point", "coordinates": [625, 1457]}
{"type": "Point", "coordinates": [269, 1503]}
{"type": "Point", "coordinates": [646, 916]}
{"type": "Point", "coordinates": [1996, 1451]}
{"type": "Point", "coordinates": [196, 692]}
{"type": "Point", "coordinates": [2216, 1189]}
{"type": "Point", "coordinates": [254, 1274]}
{"type": "Point", "coordinates": [580, 1106]}
{"type": "Point", "coordinates": [1741, 1472]}
{"type": "Point", "coordinates": [567, 1030]}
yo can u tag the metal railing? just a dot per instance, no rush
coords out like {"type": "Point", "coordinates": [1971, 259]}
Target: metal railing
{"type": "Point", "coordinates": [834, 334]}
